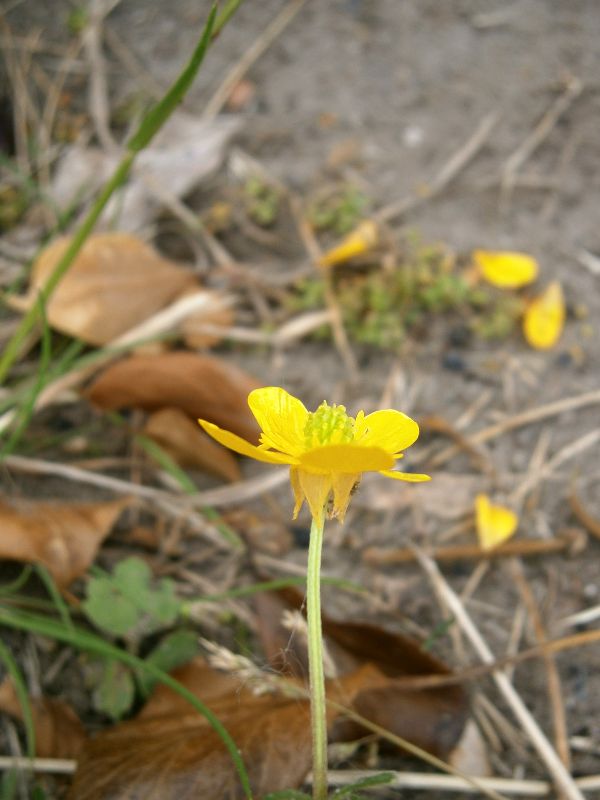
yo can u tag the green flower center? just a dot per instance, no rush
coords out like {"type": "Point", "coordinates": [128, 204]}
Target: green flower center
{"type": "Point", "coordinates": [328, 425]}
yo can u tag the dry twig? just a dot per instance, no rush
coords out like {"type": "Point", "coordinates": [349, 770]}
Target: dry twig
{"type": "Point", "coordinates": [538, 135]}
{"type": "Point", "coordinates": [264, 41]}
{"type": "Point", "coordinates": [552, 676]}
{"type": "Point", "coordinates": [569, 540]}
{"type": "Point", "coordinates": [518, 421]}
{"type": "Point", "coordinates": [563, 780]}
{"type": "Point", "coordinates": [451, 783]}
{"type": "Point", "coordinates": [453, 166]}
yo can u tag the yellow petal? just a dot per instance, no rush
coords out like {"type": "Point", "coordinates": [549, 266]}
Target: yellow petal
{"type": "Point", "coordinates": [282, 418]}
{"type": "Point", "coordinates": [390, 430]}
{"type": "Point", "coordinates": [348, 458]}
{"type": "Point", "coordinates": [316, 489]}
{"type": "Point", "coordinates": [545, 318]}
{"type": "Point", "coordinates": [297, 489]}
{"type": "Point", "coordinates": [411, 477]}
{"type": "Point", "coordinates": [506, 269]}
{"type": "Point", "coordinates": [362, 239]}
{"type": "Point", "coordinates": [495, 524]}
{"type": "Point", "coordinates": [243, 447]}
{"type": "Point", "coordinates": [343, 485]}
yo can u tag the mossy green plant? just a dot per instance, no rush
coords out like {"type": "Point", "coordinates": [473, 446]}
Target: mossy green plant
{"type": "Point", "coordinates": [339, 210]}
{"type": "Point", "coordinates": [381, 306]}
{"type": "Point", "coordinates": [261, 201]}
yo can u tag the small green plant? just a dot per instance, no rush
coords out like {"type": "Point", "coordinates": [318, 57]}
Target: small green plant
{"type": "Point", "coordinates": [261, 201]}
{"type": "Point", "coordinates": [128, 605]}
{"type": "Point", "coordinates": [77, 20]}
{"type": "Point", "coordinates": [380, 307]}
{"type": "Point", "coordinates": [13, 203]}
{"type": "Point", "coordinates": [338, 211]}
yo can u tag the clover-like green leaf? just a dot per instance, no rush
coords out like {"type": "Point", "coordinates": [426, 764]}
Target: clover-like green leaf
{"type": "Point", "coordinates": [174, 650]}
{"type": "Point", "coordinates": [108, 608]}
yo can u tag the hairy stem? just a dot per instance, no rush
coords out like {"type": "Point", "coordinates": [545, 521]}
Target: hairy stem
{"type": "Point", "coordinates": [315, 662]}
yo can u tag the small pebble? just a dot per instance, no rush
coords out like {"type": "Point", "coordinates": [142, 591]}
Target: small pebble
{"type": "Point", "coordinates": [454, 362]}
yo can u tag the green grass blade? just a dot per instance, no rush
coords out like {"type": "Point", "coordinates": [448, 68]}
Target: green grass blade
{"type": "Point", "coordinates": [28, 407]}
{"type": "Point", "coordinates": [22, 696]}
{"type": "Point", "coordinates": [157, 116]}
{"type": "Point", "coordinates": [156, 452]}
{"type": "Point", "coordinates": [267, 586]}
{"type": "Point", "coordinates": [18, 583]}
{"type": "Point", "coordinates": [230, 8]}
{"type": "Point", "coordinates": [59, 603]}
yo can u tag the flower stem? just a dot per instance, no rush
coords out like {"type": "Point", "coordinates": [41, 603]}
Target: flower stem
{"type": "Point", "coordinates": [315, 662]}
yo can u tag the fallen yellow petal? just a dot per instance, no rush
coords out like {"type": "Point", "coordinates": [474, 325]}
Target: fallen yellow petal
{"type": "Point", "coordinates": [362, 239]}
{"type": "Point", "coordinates": [495, 524]}
{"type": "Point", "coordinates": [545, 318]}
{"type": "Point", "coordinates": [506, 269]}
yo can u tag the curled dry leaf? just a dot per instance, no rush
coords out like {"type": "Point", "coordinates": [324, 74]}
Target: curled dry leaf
{"type": "Point", "coordinates": [58, 731]}
{"type": "Point", "coordinates": [199, 386]}
{"type": "Point", "coordinates": [115, 283]}
{"type": "Point", "coordinates": [185, 152]}
{"type": "Point", "coordinates": [189, 446]}
{"type": "Point", "coordinates": [506, 269]}
{"type": "Point", "coordinates": [432, 719]}
{"type": "Point", "coordinates": [63, 537]}
{"type": "Point", "coordinates": [545, 318]}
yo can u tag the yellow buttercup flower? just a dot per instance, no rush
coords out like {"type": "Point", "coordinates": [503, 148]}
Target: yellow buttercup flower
{"type": "Point", "coordinates": [327, 450]}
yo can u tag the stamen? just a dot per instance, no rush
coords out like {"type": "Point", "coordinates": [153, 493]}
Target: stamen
{"type": "Point", "coordinates": [328, 425]}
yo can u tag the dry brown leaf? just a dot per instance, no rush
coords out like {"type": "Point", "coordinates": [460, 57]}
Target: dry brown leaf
{"type": "Point", "coordinates": [63, 537]}
{"type": "Point", "coordinates": [115, 283]}
{"type": "Point", "coordinates": [169, 750]}
{"type": "Point", "coordinates": [432, 719]}
{"type": "Point", "coordinates": [189, 446]}
{"type": "Point", "coordinates": [200, 386]}
{"type": "Point", "coordinates": [58, 731]}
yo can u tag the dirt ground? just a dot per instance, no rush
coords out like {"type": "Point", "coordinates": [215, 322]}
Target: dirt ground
{"type": "Point", "coordinates": [382, 93]}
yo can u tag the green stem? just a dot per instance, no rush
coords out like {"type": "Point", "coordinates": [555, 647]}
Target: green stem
{"type": "Point", "coordinates": [315, 662]}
